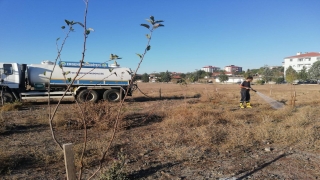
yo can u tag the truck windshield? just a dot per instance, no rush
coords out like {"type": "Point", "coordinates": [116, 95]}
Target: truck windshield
{"type": "Point", "coordinates": [7, 69]}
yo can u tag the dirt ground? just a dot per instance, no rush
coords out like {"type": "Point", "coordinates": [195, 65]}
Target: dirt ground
{"type": "Point", "coordinates": [156, 142]}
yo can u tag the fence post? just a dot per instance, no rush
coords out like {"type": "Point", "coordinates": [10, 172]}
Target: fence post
{"type": "Point", "coordinates": [160, 93]}
{"type": "Point", "coordinates": [2, 101]}
{"type": "Point", "coordinates": [69, 161]}
{"type": "Point", "coordinates": [120, 94]}
{"type": "Point", "coordinates": [294, 99]}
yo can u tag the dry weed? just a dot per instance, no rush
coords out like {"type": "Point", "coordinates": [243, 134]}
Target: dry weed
{"type": "Point", "coordinates": [11, 106]}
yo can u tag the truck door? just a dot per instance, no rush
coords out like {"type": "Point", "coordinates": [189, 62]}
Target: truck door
{"type": "Point", "coordinates": [10, 75]}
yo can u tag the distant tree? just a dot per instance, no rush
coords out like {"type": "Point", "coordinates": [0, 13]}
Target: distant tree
{"type": "Point", "coordinates": [247, 73]}
{"type": "Point", "coordinates": [291, 75]}
{"type": "Point", "coordinates": [277, 75]}
{"type": "Point", "coordinates": [278, 80]}
{"type": "Point", "coordinates": [182, 75]}
{"type": "Point", "coordinates": [165, 77]}
{"type": "Point", "coordinates": [145, 77]}
{"type": "Point", "coordinates": [254, 71]}
{"type": "Point", "coordinates": [200, 74]}
{"type": "Point", "coordinates": [209, 74]}
{"type": "Point", "coordinates": [303, 74]}
{"type": "Point", "coordinates": [223, 77]}
{"type": "Point", "coordinates": [190, 77]}
{"type": "Point", "coordinates": [266, 73]}
{"type": "Point", "coordinates": [314, 71]}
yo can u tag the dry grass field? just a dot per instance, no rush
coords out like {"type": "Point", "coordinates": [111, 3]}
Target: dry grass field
{"type": "Point", "coordinates": [190, 132]}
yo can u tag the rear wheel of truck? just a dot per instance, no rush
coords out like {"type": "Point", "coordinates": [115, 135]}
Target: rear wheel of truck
{"type": "Point", "coordinates": [112, 95]}
{"type": "Point", "coordinates": [87, 95]}
{"type": "Point", "coordinates": [7, 97]}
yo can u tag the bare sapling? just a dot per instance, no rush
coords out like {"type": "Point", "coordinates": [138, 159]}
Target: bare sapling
{"type": "Point", "coordinates": [69, 82]}
{"type": "Point", "coordinates": [153, 24]}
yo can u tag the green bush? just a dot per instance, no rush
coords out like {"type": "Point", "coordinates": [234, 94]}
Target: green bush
{"type": "Point", "coordinates": [116, 171]}
{"type": "Point", "coordinates": [260, 82]}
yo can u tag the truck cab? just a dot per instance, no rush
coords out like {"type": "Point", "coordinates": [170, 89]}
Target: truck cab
{"type": "Point", "coordinates": [10, 75]}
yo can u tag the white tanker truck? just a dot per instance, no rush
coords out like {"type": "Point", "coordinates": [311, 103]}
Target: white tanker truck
{"type": "Point", "coordinates": [95, 81]}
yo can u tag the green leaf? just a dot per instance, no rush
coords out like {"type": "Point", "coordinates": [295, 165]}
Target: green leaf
{"type": "Point", "coordinates": [115, 73]}
{"type": "Point", "coordinates": [148, 47]}
{"type": "Point", "coordinates": [66, 73]}
{"type": "Point", "coordinates": [152, 18]}
{"type": "Point", "coordinates": [68, 22]}
{"type": "Point", "coordinates": [157, 25]}
{"type": "Point", "coordinates": [159, 21]}
{"type": "Point", "coordinates": [111, 69]}
{"type": "Point", "coordinates": [114, 56]}
{"type": "Point", "coordinates": [44, 73]}
{"type": "Point", "coordinates": [111, 56]}
{"type": "Point", "coordinates": [139, 55]}
{"type": "Point", "coordinates": [148, 36]}
{"type": "Point", "coordinates": [63, 27]}
{"type": "Point", "coordinates": [69, 79]}
{"type": "Point", "coordinates": [149, 21]}
{"type": "Point", "coordinates": [145, 25]}
{"type": "Point", "coordinates": [57, 39]}
{"type": "Point", "coordinates": [88, 31]}
{"type": "Point", "coordinates": [60, 65]}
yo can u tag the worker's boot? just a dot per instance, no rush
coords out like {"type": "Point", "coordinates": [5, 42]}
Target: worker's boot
{"type": "Point", "coordinates": [248, 105]}
{"type": "Point", "coordinates": [241, 105]}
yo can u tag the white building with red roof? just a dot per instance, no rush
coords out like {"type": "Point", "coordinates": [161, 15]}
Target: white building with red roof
{"type": "Point", "coordinates": [232, 69]}
{"type": "Point", "coordinates": [210, 69]}
{"type": "Point", "coordinates": [301, 59]}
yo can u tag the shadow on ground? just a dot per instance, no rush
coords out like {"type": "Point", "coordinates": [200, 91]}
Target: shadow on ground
{"type": "Point", "coordinates": [262, 166]}
{"type": "Point", "coordinates": [13, 129]}
{"type": "Point", "coordinates": [144, 98]}
{"type": "Point", "coordinates": [149, 171]}
{"type": "Point", "coordinates": [141, 119]}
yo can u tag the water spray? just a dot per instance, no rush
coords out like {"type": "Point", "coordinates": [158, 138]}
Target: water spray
{"type": "Point", "coordinates": [275, 104]}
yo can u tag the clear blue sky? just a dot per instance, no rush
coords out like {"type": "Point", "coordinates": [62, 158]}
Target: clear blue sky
{"type": "Point", "coordinates": [247, 33]}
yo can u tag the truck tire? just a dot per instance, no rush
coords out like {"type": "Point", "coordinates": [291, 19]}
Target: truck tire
{"type": "Point", "coordinates": [112, 95]}
{"type": "Point", "coordinates": [7, 97]}
{"type": "Point", "coordinates": [87, 95]}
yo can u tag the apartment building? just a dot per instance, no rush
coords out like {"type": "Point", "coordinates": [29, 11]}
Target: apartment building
{"type": "Point", "coordinates": [301, 59]}
{"type": "Point", "coordinates": [210, 69]}
{"type": "Point", "coordinates": [232, 69]}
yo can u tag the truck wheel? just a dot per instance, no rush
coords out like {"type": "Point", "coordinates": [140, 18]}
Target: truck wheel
{"type": "Point", "coordinates": [87, 95]}
{"type": "Point", "coordinates": [111, 95]}
{"type": "Point", "coordinates": [7, 97]}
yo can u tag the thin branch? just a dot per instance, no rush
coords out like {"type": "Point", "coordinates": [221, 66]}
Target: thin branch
{"type": "Point", "coordinates": [82, 60]}
{"type": "Point", "coordinates": [49, 87]}
{"type": "Point", "coordinates": [68, 89]}
{"type": "Point", "coordinates": [120, 108]}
